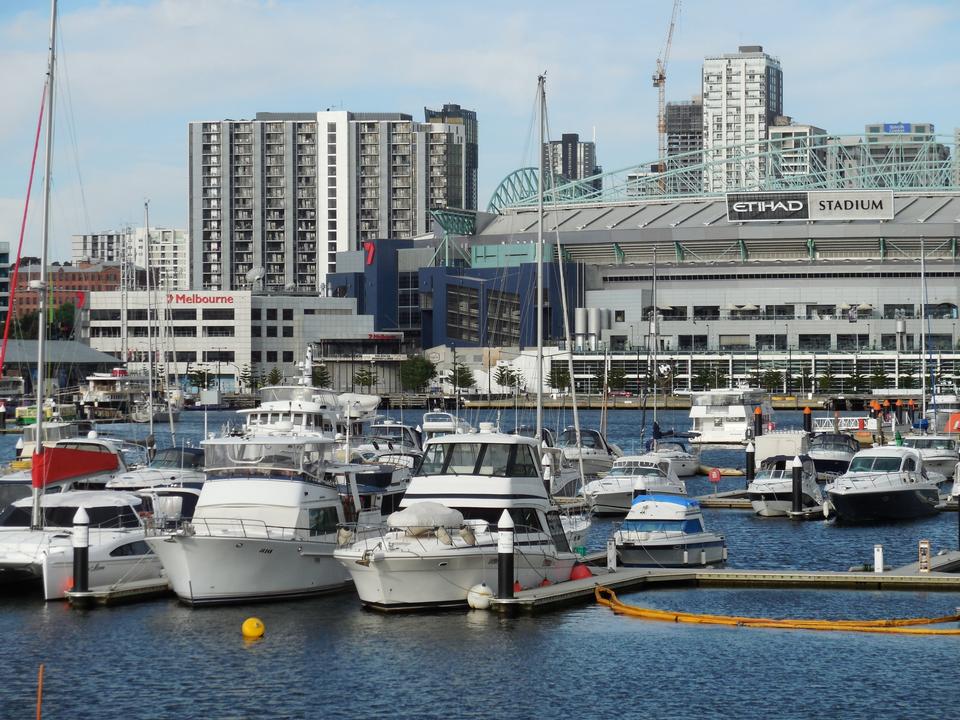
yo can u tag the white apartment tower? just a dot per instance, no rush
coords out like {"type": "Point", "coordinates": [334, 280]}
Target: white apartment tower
{"type": "Point", "coordinates": [169, 252]}
{"type": "Point", "coordinates": [272, 200]}
{"type": "Point", "coordinates": [742, 94]}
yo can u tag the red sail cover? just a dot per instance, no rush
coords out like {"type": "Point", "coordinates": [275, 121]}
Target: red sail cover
{"type": "Point", "coordinates": [63, 463]}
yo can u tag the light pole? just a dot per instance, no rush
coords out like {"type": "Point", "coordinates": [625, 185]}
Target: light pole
{"type": "Point", "coordinates": [707, 342]}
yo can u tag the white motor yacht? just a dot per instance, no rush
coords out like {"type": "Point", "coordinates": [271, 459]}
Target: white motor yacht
{"type": "Point", "coordinates": [939, 452]}
{"type": "Point", "coordinates": [444, 540]}
{"type": "Point", "coordinates": [667, 531]}
{"type": "Point", "coordinates": [683, 462]}
{"type": "Point", "coordinates": [437, 424]}
{"type": "Point", "coordinates": [265, 525]}
{"type": "Point", "coordinates": [595, 452]}
{"type": "Point", "coordinates": [831, 454]}
{"type": "Point", "coordinates": [883, 483]}
{"type": "Point", "coordinates": [724, 416]}
{"type": "Point", "coordinates": [771, 492]}
{"type": "Point", "coordinates": [630, 476]}
{"type": "Point", "coordinates": [117, 551]}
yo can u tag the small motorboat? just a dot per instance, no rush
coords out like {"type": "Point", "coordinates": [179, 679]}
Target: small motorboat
{"type": "Point", "coordinates": [593, 450]}
{"type": "Point", "coordinates": [630, 476]}
{"type": "Point", "coordinates": [831, 454]}
{"type": "Point", "coordinates": [771, 492]}
{"type": "Point", "coordinates": [667, 531]}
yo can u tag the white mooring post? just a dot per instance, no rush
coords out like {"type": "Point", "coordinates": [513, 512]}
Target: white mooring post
{"type": "Point", "coordinates": [611, 554]}
{"type": "Point", "coordinates": [878, 558]}
{"type": "Point", "coordinates": [924, 551]}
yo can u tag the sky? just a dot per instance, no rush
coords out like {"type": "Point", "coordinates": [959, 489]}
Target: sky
{"type": "Point", "coordinates": [133, 73]}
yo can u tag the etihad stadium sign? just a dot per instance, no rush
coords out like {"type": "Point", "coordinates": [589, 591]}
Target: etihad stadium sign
{"type": "Point", "coordinates": [812, 205]}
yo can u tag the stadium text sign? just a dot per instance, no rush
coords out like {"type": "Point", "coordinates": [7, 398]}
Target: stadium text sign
{"type": "Point", "coordinates": [814, 205]}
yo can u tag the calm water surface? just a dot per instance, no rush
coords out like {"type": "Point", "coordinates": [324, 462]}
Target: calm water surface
{"type": "Point", "coordinates": [327, 658]}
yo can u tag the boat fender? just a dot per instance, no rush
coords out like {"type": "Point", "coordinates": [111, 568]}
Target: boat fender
{"type": "Point", "coordinates": [579, 571]}
{"type": "Point", "coordinates": [479, 596]}
{"type": "Point", "coordinates": [517, 587]}
{"type": "Point", "coordinates": [545, 582]}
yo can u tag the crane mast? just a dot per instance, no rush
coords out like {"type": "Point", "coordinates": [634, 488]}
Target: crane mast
{"type": "Point", "coordinates": [660, 82]}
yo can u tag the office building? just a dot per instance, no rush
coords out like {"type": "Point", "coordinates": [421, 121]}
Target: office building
{"type": "Point", "coordinates": [169, 258]}
{"type": "Point", "coordinates": [272, 200]}
{"type": "Point", "coordinates": [571, 159]}
{"type": "Point", "coordinates": [742, 94]}
{"type": "Point", "coordinates": [801, 150]}
{"type": "Point", "coordinates": [452, 114]}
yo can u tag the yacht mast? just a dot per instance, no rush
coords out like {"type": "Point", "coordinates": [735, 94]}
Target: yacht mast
{"type": "Point", "coordinates": [36, 521]}
{"type": "Point", "coordinates": [654, 331]}
{"type": "Point", "coordinates": [923, 332]}
{"type": "Point", "coordinates": [538, 376]}
{"type": "Point", "coordinates": [150, 311]}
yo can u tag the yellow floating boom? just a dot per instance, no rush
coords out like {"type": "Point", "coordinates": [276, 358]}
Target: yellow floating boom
{"type": "Point", "coordinates": [903, 626]}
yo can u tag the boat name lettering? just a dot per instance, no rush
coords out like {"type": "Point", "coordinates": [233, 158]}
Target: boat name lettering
{"type": "Point", "coordinates": [197, 299]}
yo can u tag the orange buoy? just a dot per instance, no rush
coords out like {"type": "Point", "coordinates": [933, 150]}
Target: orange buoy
{"type": "Point", "coordinates": [580, 572]}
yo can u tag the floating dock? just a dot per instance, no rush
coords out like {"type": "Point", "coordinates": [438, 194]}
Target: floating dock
{"type": "Point", "coordinates": [127, 592]}
{"type": "Point", "coordinates": [579, 592]}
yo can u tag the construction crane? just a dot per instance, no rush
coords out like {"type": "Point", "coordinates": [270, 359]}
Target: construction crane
{"type": "Point", "coordinates": [660, 82]}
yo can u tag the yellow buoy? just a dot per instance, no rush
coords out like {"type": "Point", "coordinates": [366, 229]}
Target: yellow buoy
{"type": "Point", "coordinates": [252, 628]}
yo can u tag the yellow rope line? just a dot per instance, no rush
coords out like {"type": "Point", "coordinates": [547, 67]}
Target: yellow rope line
{"type": "Point", "coordinates": [606, 596]}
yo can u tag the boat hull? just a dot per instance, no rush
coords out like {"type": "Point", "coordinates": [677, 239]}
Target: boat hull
{"type": "Point", "coordinates": [206, 570]}
{"type": "Point", "coordinates": [707, 549]}
{"type": "Point", "coordinates": [905, 504]}
{"type": "Point", "coordinates": [402, 581]}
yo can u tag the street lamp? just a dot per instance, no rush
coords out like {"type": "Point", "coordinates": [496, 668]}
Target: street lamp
{"type": "Point", "coordinates": [707, 348]}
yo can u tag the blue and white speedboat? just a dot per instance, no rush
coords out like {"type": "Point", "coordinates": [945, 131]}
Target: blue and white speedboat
{"type": "Point", "coordinates": [667, 531]}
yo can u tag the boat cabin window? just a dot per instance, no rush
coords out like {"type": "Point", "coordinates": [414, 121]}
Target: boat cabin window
{"type": "Point", "coordinates": [322, 521]}
{"type": "Point", "coordinates": [692, 525]}
{"type": "Point", "coordinates": [493, 459]}
{"type": "Point", "coordinates": [556, 531]}
{"type": "Point", "coordinates": [265, 456]}
{"type": "Point", "coordinates": [588, 439]}
{"type": "Point", "coordinates": [875, 463]}
{"type": "Point", "coordinates": [524, 519]}
{"type": "Point", "coordinates": [132, 549]}
{"type": "Point", "coordinates": [62, 517]}
{"type": "Point", "coordinates": [172, 458]}
{"type": "Point", "coordinates": [930, 443]}
{"type": "Point", "coordinates": [909, 464]}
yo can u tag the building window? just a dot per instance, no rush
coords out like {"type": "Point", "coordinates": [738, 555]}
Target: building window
{"type": "Point", "coordinates": [288, 356]}
{"type": "Point", "coordinates": [287, 331]}
{"type": "Point", "coordinates": [217, 314]}
{"type": "Point", "coordinates": [254, 356]}
{"type": "Point", "coordinates": [271, 330]}
{"type": "Point", "coordinates": [619, 315]}
{"type": "Point", "coordinates": [183, 314]}
{"type": "Point", "coordinates": [186, 355]}
{"type": "Point", "coordinates": [254, 313]}
{"type": "Point", "coordinates": [288, 313]}
{"type": "Point", "coordinates": [218, 331]}
{"type": "Point", "coordinates": [271, 313]}
{"type": "Point", "coordinates": [503, 318]}
{"type": "Point", "coordinates": [184, 331]}
{"type": "Point", "coordinates": [463, 313]}
{"type": "Point", "coordinates": [271, 356]}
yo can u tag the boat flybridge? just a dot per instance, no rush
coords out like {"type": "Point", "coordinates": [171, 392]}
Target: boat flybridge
{"type": "Point", "coordinates": [888, 482]}
{"type": "Point", "coordinates": [724, 416]}
{"type": "Point", "coordinates": [630, 476]}
{"type": "Point", "coordinates": [443, 541]}
{"type": "Point", "coordinates": [831, 453]}
{"type": "Point", "coordinates": [437, 424]}
{"type": "Point", "coordinates": [117, 551]}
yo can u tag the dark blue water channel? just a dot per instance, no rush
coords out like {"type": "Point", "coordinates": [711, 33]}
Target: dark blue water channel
{"type": "Point", "coordinates": [327, 658]}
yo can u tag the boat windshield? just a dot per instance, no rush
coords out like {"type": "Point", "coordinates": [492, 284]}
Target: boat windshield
{"type": "Point", "coordinates": [466, 458]}
{"type": "Point", "coordinates": [837, 443]}
{"type": "Point", "coordinates": [930, 443]}
{"type": "Point", "coordinates": [875, 463]}
{"type": "Point", "coordinates": [633, 470]}
{"type": "Point", "coordinates": [62, 517]}
{"type": "Point", "coordinates": [692, 525]}
{"type": "Point", "coordinates": [173, 458]}
{"type": "Point", "coordinates": [390, 433]}
{"type": "Point", "coordinates": [588, 439]}
{"type": "Point", "coordinates": [265, 456]}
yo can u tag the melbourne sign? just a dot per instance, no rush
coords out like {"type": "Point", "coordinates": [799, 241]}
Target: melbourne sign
{"type": "Point", "coordinates": [196, 299]}
{"type": "Point", "coordinates": [814, 205]}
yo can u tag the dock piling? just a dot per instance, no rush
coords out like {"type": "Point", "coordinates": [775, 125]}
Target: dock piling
{"type": "Point", "coordinates": [81, 550]}
{"type": "Point", "coordinates": [505, 556]}
{"type": "Point", "coordinates": [808, 420]}
{"type": "Point", "coordinates": [751, 470]}
{"type": "Point", "coordinates": [797, 504]}
{"type": "Point", "coordinates": [611, 554]}
{"type": "Point", "coordinates": [757, 422]}
{"type": "Point", "coordinates": [878, 558]}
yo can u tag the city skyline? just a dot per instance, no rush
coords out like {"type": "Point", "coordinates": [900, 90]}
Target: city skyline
{"type": "Point", "coordinates": [133, 74]}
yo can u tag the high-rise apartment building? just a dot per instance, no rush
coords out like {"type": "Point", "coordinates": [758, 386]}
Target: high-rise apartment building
{"type": "Point", "coordinates": [800, 150]}
{"type": "Point", "coordinates": [452, 114]}
{"type": "Point", "coordinates": [572, 159]}
{"type": "Point", "coordinates": [685, 139]}
{"type": "Point", "coordinates": [169, 259]}
{"type": "Point", "coordinates": [742, 94]}
{"type": "Point", "coordinates": [272, 200]}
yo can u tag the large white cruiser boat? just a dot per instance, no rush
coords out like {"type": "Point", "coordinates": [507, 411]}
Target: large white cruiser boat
{"type": "Point", "coordinates": [117, 551]}
{"type": "Point", "coordinates": [265, 525]}
{"type": "Point", "coordinates": [630, 476]}
{"type": "Point", "coordinates": [883, 483]}
{"type": "Point", "coordinates": [723, 416]}
{"type": "Point", "coordinates": [444, 540]}
{"type": "Point", "coordinates": [939, 452]}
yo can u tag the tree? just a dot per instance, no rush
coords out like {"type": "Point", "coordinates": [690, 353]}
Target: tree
{"type": "Point", "coordinates": [616, 378]}
{"type": "Point", "coordinates": [718, 375]}
{"type": "Point", "coordinates": [60, 326]}
{"type": "Point", "coordinates": [416, 373]}
{"type": "Point", "coordinates": [320, 376]}
{"type": "Point", "coordinates": [200, 378]}
{"type": "Point", "coordinates": [559, 379]}
{"type": "Point", "coordinates": [826, 381]}
{"type": "Point", "coordinates": [703, 379]}
{"type": "Point", "coordinates": [462, 376]}
{"type": "Point", "coordinates": [365, 377]}
{"type": "Point", "coordinates": [246, 378]}
{"type": "Point", "coordinates": [878, 379]}
{"type": "Point", "coordinates": [274, 377]}
{"type": "Point", "coordinates": [806, 379]}
{"type": "Point", "coordinates": [857, 380]}
{"type": "Point", "coordinates": [771, 381]}
{"type": "Point", "coordinates": [506, 377]}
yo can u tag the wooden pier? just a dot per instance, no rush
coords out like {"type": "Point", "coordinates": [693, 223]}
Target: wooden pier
{"type": "Point", "coordinates": [128, 592]}
{"type": "Point", "coordinates": [941, 577]}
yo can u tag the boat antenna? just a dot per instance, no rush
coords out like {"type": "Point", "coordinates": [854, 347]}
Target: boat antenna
{"type": "Point", "coordinates": [36, 521]}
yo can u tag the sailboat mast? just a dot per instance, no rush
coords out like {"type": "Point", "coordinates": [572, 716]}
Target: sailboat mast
{"type": "Point", "coordinates": [36, 522]}
{"type": "Point", "coordinates": [150, 308]}
{"type": "Point", "coordinates": [923, 332]}
{"type": "Point", "coordinates": [655, 332]}
{"type": "Point", "coordinates": [538, 377]}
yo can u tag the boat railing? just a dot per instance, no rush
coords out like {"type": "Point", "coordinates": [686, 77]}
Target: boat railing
{"type": "Point", "coordinates": [244, 528]}
{"type": "Point", "coordinates": [848, 423]}
{"type": "Point", "coordinates": [467, 536]}
{"type": "Point", "coordinates": [881, 479]}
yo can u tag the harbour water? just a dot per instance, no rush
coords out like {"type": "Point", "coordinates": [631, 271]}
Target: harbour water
{"type": "Point", "coordinates": [328, 658]}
